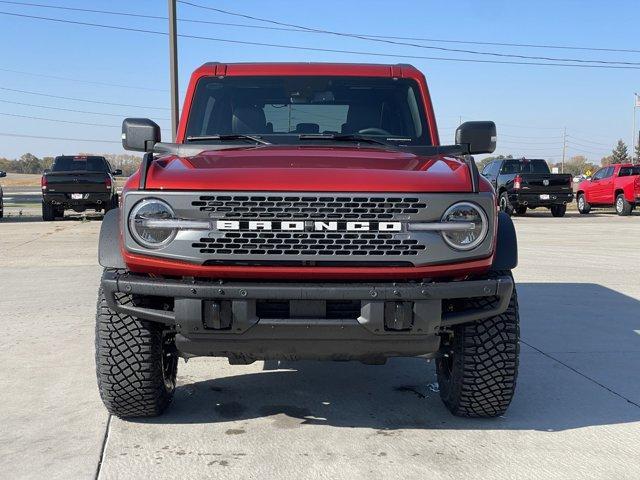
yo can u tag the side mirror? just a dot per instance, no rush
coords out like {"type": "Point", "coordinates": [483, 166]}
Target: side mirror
{"type": "Point", "coordinates": [477, 137]}
{"type": "Point", "coordinates": [3, 174]}
{"type": "Point", "coordinates": [117, 172]}
{"type": "Point", "coordinates": [139, 134]}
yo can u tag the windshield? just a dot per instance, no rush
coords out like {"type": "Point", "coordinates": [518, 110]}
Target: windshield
{"type": "Point", "coordinates": [525, 166]}
{"type": "Point", "coordinates": [75, 164]}
{"type": "Point", "coordinates": [282, 108]}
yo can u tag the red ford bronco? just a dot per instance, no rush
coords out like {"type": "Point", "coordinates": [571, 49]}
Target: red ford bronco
{"type": "Point", "coordinates": [307, 211]}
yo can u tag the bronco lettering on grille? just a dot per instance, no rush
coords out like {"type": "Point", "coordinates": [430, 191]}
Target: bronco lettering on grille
{"type": "Point", "coordinates": [309, 226]}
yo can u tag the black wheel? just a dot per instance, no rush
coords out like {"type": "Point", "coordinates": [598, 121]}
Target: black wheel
{"type": "Point", "coordinates": [558, 210]}
{"type": "Point", "coordinates": [583, 205]}
{"type": "Point", "coordinates": [478, 363]}
{"type": "Point", "coordinates": [521, 209]}
{"type": "Point", "coordinates": [623, 208]}
{"type": "Point", "coordinates": [503, 203]}
{"type": "Point", "coordinates": [136, 364]}
{"type": "Point", "coordinates": [48, 212]}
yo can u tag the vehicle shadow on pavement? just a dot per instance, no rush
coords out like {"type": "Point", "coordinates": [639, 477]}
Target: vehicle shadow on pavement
{"type": "Point", "coordinates": [13, 218]}
{"type": "Point", "coordinates": [579, 358]}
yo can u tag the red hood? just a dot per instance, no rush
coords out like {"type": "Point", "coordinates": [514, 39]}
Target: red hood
{"type": "Point", "coordinates": [309, 168]}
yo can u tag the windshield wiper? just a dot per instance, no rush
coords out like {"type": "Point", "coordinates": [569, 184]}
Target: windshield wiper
{"type": "Point", "coordinates": [222, 138]}
{"type": "Point", "coordinates": [343, 138]}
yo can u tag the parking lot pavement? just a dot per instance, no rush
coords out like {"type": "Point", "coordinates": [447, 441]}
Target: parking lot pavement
{"type": "Point", "coordinates": [576, 413]}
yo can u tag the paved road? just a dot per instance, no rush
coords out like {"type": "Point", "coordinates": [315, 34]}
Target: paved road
{"type": "Point", "coordinates": [576, 413]}
{"type": "Point", "coordinates": [23, 196]}
{"type": "Point", "coordinates": [18, 196]}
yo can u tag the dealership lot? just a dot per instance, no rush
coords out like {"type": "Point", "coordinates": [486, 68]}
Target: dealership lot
{"type": "Point", "coordinates": [577, 404]}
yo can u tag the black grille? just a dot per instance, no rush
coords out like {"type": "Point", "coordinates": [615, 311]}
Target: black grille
{"type": "Point", "coordinates": [334, 309]}
{"type": "Point", "coordinates": [308, 243]}
{"type": "Point", "coordinates": [275, 207]}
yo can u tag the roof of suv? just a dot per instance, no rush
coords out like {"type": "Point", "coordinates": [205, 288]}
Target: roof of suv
{"type": "Point", "coordinates": [329, 69]}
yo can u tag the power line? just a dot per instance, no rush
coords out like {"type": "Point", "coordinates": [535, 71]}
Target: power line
{"type": "Point", "coordinates": [18, 135]}
{"type": "Point", "coordinates": [527, 138]}
{"type": "Point", "coordinates": [588, 141]}
{"type": "Point", "coordinates": [89, 82]}
{"type": "Point", "coordinates": [317, 49]}
{"type": "Point", "coordinates": [518, 142]}
{"type": "Point", "coordinates": [526, 148]}
{"type": "Point", "coordinates": [286, 29]}
{"type": "Point", "coordinates": [58, 121]}
{"type": "Point", "coordinates": [588, 152]}
{"type": "Point", "coordinates": [396, 42]}
{"type": "Point", "coordinates": [69, 109]}
{"type": "Point", "coordinates": [80, 99]}
{"type": "Point", "coordinates": [601, 149]}
{"type": "Point", "coordinates": [528, 127]}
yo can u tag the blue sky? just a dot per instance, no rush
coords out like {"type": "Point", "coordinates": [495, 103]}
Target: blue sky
{"type": "Point", "coordinates": [595, 105]}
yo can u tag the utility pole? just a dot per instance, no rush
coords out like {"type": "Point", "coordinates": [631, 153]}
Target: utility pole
{"type": "Point", "coordinates": [564, 148]}
{"type": "Point", "coordinates": [173, 68]}
{"type": "Point", "coordinates": [636, 103]}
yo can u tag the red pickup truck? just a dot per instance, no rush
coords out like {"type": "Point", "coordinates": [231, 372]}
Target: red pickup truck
{"type": "Point", "coordinates": [307, 211]}
{"type": "Point", "coordinates": [614, 185]}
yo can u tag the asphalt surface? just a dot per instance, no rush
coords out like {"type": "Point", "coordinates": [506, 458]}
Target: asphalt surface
{"type": "Point", "coordinates": [20, 196]}
{"type": "Point", "coordinates": [576, 413]}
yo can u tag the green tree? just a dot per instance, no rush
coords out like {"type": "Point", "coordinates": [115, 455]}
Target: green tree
{"type": "Point", "coordinates": [637, 153]}
{"type": "Point", "coordinates": [485, 161]}
{"type": "Point", "coordinates": [46, 162]}
{"type": "Point", "coordinates": [29, 163]}
{"type": "Point", "coordinates": [578, 165]}
{"type": "Point", "coordinates": [620, 154]}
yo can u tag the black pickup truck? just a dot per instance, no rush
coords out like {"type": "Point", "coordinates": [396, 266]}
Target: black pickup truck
{"type": "Point", "coordinates": [528, 183]}
{"type": "Point", "coordinates": [78, 183]}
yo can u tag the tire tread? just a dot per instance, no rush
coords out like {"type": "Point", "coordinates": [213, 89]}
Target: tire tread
{"type": "Point", "coordinates": [129, 364]}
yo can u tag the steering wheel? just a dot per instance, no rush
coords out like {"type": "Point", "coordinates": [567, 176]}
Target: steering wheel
{"type": "Point", "coordinates": [373, 131]}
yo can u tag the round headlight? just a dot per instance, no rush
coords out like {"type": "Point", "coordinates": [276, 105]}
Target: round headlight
{"type": "Point", "coordinates": [141, 223]}
{"type": "Point", "coordinates": [472, 223]}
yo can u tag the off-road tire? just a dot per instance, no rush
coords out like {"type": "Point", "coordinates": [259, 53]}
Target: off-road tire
{"type": "Point", "coordinates": [136, 364]}
{"type": "Point", "coordinates": [558, 210]}
{"type": "Point", "coordinates": [583, 205]}
{"type": "Point", "coordinates": [478, 364]}
{"type": "Point", "coordinates": [504, 204]}
{"type": "Point", "coordinates": [48, 212]}
{"type": "Point", "coordinates": [623, 208]}
{"type": "Point", "coordinates": [520, 210]}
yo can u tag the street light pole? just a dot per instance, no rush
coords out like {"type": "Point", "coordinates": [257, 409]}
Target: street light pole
{"type": "Point", "coordinates": [564, 148]}
{"type": "Point", "coordinates": [173, 68]}
{"type": "Point", "coordinates": [636, 101]}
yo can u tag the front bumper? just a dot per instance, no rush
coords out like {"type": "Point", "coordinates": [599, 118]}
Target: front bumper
{"type": "Point", "coordinates": [534, 199]}
{"type": "Point", "coordinates": [392, 319]}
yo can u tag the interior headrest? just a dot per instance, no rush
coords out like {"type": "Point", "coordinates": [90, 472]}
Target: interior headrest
{"type": "Point", "coordinates": [248, 119]}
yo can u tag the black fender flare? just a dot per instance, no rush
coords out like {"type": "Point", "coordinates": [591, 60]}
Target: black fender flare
{"type": "Point", "coordinates": [506, 256]}
{"type": "Point", "coordinates": [109, 255]}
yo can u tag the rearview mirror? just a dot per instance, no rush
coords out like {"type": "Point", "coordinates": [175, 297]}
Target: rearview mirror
{"type": "Point", "coordinates": [139, 134]}
{"type": "Point", "coordinates": [477, 137]}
